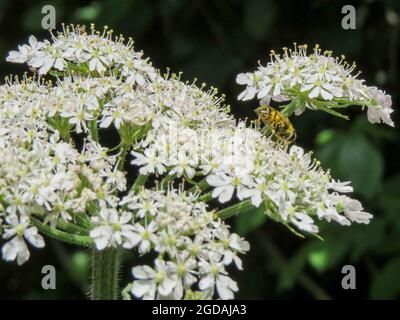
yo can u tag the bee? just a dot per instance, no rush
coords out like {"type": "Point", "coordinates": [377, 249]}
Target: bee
{"type": "Point", "coordinates": [276, 123]}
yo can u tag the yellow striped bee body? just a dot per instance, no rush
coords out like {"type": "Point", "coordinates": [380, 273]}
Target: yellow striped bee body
{"type": "Point", "coordinates": [276, 123]}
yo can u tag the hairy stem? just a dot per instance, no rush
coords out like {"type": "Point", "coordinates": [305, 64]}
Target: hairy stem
{"type": "Point", "coordinates": [122, 156]}
{"type": "Point", "coordinates": [235, 209]}
{"type": "Point", "coordinates": [105, 269]}
{"type": "Point", "coordinates": [140, 181]}
{"type": "Point", "coordinates": [72, 228]}
{"type": "Point", "coordinates": [79, 240]}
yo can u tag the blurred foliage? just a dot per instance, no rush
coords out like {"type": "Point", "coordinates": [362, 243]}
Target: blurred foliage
{"type": "Point", "coordinates": [214, 40]}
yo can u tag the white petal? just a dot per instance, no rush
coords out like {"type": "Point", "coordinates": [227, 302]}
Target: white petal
{"type": "Point", "coordinates": [217, 180]}
{"type": "Point", "coordinates": [223, 291]}
{"type": "Point", "coordinates": [140, 287]}
{"type": "Point", "coordinates": [166, 286]}
{"type": "Point", "coordinates": [206, 282]}
{"type": "Point", "coordinates": [143, 272]}
{"type": "Point", "coordinates": [34, 238]}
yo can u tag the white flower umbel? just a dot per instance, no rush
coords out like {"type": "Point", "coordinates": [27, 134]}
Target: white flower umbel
{"type": "Point", "coordinates": [185, 235]}
{"type": "Point", "coordinates": [95, 52]}
{"type": "Point", "coordinates": [316, 81]}
{"type": "Point", "coordinates": [57, 179]}
{"type": "Point", "coordinates": [238, 162]}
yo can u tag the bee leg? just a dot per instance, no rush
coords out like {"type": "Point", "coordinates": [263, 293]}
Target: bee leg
{"type": "Point", "coordinates": [278, 138]}
{"type": "Point", "coordinates": [293, 137]}
{"type": "Point", "coordinates": [266, 130]}
{"type": "Point", "coordinates": [258, 123]}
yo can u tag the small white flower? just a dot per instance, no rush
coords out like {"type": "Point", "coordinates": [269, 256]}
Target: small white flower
{"type": "Point", "coordinates": [304, 222]}
{"type": "Point", "coordinates": [152, 283]}
{"type": "Point", "coordinates": [17, 229]}
{"type": "Point", "coordinates": [340, 186]}
{"type": "Point", "coordinates": [185, 271]}
{"type": "Point", "coordinates": [114, 230]}
{"type": "Point", "coordinates": [225, 186]}
{"type": "Point", "coordinates": [353, 210]}
{"type": "Point", "coordinates": [322, 89]}
{"type": "Point", "coordinates": [248, 80]}
{"type": "Point", "coordinates": [232, 245]}
{"type": "Point", "coordinates": [183, 165]}
{"type": "Point", "coordinates": [213, 275]}
{"type": "Point", "coordinates": [147, 236]}
{"type": "Point", "coordinates": [379, 109]}
{"type": "Point", "coordinates": [150, 162]}
{"type": "Point", "coordinates": [25, 51]}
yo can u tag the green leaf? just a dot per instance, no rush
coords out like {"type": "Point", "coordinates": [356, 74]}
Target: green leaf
{"type": "Point", "coordinates": [362, 164]}
{"type": "Point", "coordinates": [326, 255]}
{"type": "Point", "coordinates": [386, 283]}
{"type": "Point", "coordinates": [353, 157]}
{"type": "Point", "coordinates": [318, 259]}
{"type": "Point", "coordinates": [290, 271]}
{"type": "Point", "coordinates": [389, 201]}
{"type": "Point", "coordinates": [325, 136]}
{"type": "Point", "coordinates": [88, 13]}
{"type": "Point", "coordinates": [367, 241]}
{"type": "Point", "coordinates": [78, 267]}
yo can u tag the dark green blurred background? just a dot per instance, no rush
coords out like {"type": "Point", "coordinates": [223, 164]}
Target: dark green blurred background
{"type": "Point", "coordinates": [214, 40]}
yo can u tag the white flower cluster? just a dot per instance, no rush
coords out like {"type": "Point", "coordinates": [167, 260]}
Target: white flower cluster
{"type": "Point", "coordinates": [50, 180]}
{"type": "Point", "coordinates": [102, 78]}
{"type": "Point", "coordinates": [40, 173]}
{"type": "Point", "coordinates": [239, 160]}
{"type": "Point", "coordinates": [45, 178]}
{"type": "Point", "coordinates": [75, 49]}
{"type": "Point", "coordinates": [317, 80]}
{"type": "Point", "coordinates": [193, 245]}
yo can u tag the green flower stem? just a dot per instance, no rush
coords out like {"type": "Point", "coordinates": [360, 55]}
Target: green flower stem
{"type": "Point", "coordinates": [105, 269]}
{"type": "Point", "coordinates": [122, 155]}
{"type": "Point", "coordinates": [291, 107]}
{"type": "Point", "coordinates": [140, 181]}
{"type": "Point", "coordinates": [202, 185]}
{"type": "Point", "coordinates": [322, 106]}
{"type": "Point", "coordinates": [70, 227]}
{"type": "Point", "coordinates": [235, 210]}
{"type": "Point", "coordinates": [114, 148]}
{"type": "Point", "coordinates": [94, 131]}
{"type": "Point", "coordinates": [83, 221]}
{"type": "Point", "coordinates": [79, 240]}
{"type": "Point", "coordinates": [206, 197]}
